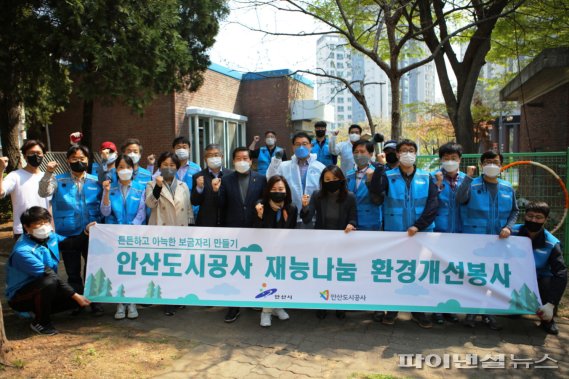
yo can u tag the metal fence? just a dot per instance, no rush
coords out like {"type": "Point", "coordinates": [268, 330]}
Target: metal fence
{"type": "Point", "coordinates": [530, 182]}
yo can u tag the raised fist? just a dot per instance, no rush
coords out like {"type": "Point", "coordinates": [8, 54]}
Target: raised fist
{"type": "Point", "coordinates": [369, 174]}
{"type": "Point", "coordinates": [151, 159]}
{"type": "Point", "coordinates": [159, 181]}
{"type": "Point", "coordinates": [439, 177]}
{"type": "Point", "coordinates": [259, 208]}
{"type": "Point", "coordinates": [381, 158]}
{"type": "Point", "coordinates": [256, 138]}
{"type": "Point", "coordinates": [51, 166]}
{"type": "Point", "coordinates": [471, 171]}
{"type": "Point", "coordinates": [75, 138]}
{"type": "Point", "coordinates": [107, 185]}
{"type": "Point", "coordinates": [305, 200]}
{"type": "Point", "coordinates": [335, 132]}
{"type": "Point", "coordinates": [200, 182]}
{"type": "Point", "coordinates": [216, 183]}
{"type": "Point", "coordinates": [3, 163]}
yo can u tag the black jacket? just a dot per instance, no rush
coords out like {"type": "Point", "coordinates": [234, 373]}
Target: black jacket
{"type": "Point", "coordinates": [210, 214]}
{"type": "Point", "coordinates": [239, 214]}
{"type": "Point", "coordinates": [348, 212]}
{"type": "Point", "coordinates": [270, 218]}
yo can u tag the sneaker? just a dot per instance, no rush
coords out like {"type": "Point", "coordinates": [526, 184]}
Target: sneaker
{"type": "Point", "coordinates": [340, 315]}
{"type": "Point", "coordinates": [232, 314]}
{"type": "Point", "coordinates": [120, 314]}
{"type": "Point", "coordinates": [266, 319]}
{"type": "Point", "coordinates": [321, 314]}
{"type": "Point", "coordinates": [470, 321]}
{"type": "Point", "coordinates": [280, 313]}
{"type": "Point", "coordinates": [438, 318]}
{"type": "Point", "coordinates": [97, 309]}
{"type": "Point", "coordinates": [378, 316]}
{"type": "Point", "coordinates": [132, 312]}
{"type": "Point", "coordinates": [451, 317]}
{"type": "Point", "coordinates": [550, 327]}
{"type": "Point", "coordinates": [491, 322]}
{"type": "Point", "coordinates": [422, 319]}
{"type": "Point", "coordinates": [46, 330]}
{"type": "Point", "coordinates": [389, 318]}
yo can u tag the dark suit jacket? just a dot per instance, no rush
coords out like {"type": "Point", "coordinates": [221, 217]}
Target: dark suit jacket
{"type": "Point", "coordinates": [239, 214]}
{"type": "Point", "coordinates": [348, 212]}
{"type": "Point", "coordinates": [270, 218]}
{"type": "Point", "coordinates": [210, 214]}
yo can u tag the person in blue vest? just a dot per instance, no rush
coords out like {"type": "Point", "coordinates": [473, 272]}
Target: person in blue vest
{"type": "Point", "coordinates": [123, 203]}
{"type": "Point", "coordinates": [549, 264]}
{"type": "Point", "coordinates": [321, 147]}
{"type": "Point", "coordinates": [133, 149]}
{"type": "Point", "coordinates": [76, 199]}
{"type": "Point", "coordinates": [448, 220]}
{"type": "Point", "coordinates": [106, 169]}
{"type": "Point", "coordinates": [410, 203]}
{"type": "Point", "coordinates": [369, 214]}
{"type": "Point", "coordinates": [488, 207]}
{"type": "Point", "coordinates": [264, 154]}
{"type": "Point", "coordinates": [32, 282]}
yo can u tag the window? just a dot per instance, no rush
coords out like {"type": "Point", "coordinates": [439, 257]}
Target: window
{"type": "Point", "coordinates": [341, 74]}
{"type": "Point", "coordinates": [340, 109]}
{"type": "Point", "coordinates": [339, 56]}
{"type": "Point", "coordinates": [340, 100]}
{"type": "Point", "coordinates": [349, 108]}
{"type": "Point", "coordinates": [340, 65]}
{"type": "Point", "coordinates": [340, 117]}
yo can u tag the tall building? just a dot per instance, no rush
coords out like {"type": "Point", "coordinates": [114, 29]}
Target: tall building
{"type": "Point", "coordinates": [334, 57]}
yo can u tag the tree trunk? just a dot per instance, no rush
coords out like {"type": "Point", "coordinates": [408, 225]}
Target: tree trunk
{"type": "Point", "coordinates": [396, 131]}
{"type": "Point", "coordinates": [87, 124]}
{"type": "Point", "coordinates": [10, 118]}
{"type": "Point", "coordinates": [464, 130]}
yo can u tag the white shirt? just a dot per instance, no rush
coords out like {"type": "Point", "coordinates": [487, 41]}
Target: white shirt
{"type": "Point", "coordinates": [23, 188]}
{"type": "Point", "coordinates": [344, 150]}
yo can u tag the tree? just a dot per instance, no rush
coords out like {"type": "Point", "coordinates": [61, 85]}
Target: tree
{"type": "Point", "coordinates": [432, 129]}
{"type": "Point", "coordinates": [436, 19]}
{"type": "Point", "coordinates": [133, 50]}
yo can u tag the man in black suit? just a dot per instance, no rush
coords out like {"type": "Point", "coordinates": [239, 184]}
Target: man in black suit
{"type": "Point", "coordinates": [238, 195]}
{"type": "Point", "coordinates": [206, 187]}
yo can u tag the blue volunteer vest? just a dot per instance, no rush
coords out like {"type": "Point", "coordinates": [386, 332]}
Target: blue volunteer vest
{"type": "Point", "coordinates": [484, 215]}
{"type": "Point", "coordinates": [142, 176]}
{"type": "Point", "coordinates": [369, 214]}
{"type": "Point", "coordinates": [403, 206]}
{"type": "Point", "coordinates": [123, 211]}
{"type": "Point", "coordinates": [541, 255]}
{"type": "Point", "coordinates": [448, 214]}
{"type": "Point", "coordinates": [264, 159]}
{"type": "Point", "coordinates": [322, 153]}
{"type": "Point", "coordinates": [27, 247]}
{"type": "Point", "coordinates": [73, 210]}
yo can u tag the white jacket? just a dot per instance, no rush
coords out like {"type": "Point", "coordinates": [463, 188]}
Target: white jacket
{"type": "Point", "coordinates": [291, 172]}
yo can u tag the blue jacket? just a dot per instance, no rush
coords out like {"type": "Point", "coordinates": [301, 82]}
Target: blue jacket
{"type": "Point", "coordinates": [264, 159]}
{"type": "Point", "coordinates": [448, 218]}
{"type": "Point", "coordinates": [123, 211]}
{"type": "Point", "coordinates": [141, 176]}
{"type": "Point", "coordinates": [323, 153]}
{"type": "Point", "coordinates": [239, 213]}
{"type": "Point", "coordinates": [28, 261]}
{"type": "Point", "coordinates": [73, 210]}
{"type": "Point", "coordinates": [541, 255]}
{"type": "Point", "coordinates": [484, 215]}
{"type": "Point", "coordinates": [403, 206]}
{"type": "Point", "coordinates": [369, 214]}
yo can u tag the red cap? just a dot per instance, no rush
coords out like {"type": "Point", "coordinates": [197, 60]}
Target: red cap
{"type": "Point", "coordinates": [108, 145]}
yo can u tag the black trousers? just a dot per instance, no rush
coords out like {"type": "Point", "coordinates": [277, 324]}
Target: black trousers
{"type": "Point", "coordinates": [44, 296]}
{"type": "Point", "coordinates": [72, 249]}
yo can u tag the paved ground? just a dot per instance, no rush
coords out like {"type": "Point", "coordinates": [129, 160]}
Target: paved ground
{"type": "Point", "coordinates": [305, 347]}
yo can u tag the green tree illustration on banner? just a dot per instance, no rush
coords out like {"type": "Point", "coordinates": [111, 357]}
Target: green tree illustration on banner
{"type": "Point", "coordinates": [525, 299]}
{"type": "Point", "coordinates": [120, 291]}
{"type": "Point", "coordinates": [107, 288]}
{"type": "Point", "coordinates": [157, 292]}
{"type": "Point", "coordinates": [89, 285]}
{"type": "Point", "coordinates": [150, 290]}
{"type": "Point", "coordinates": [98, 284]}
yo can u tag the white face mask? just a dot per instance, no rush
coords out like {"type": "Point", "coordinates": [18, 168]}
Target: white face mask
{"type": "Point", "coordinates": [270, 141]}
{"type": "Point", "coordinates": [491, 170]}
{"type": "Point", "coordinates": [42, 232]}
{"type": "Point", "coordinates": [242, 166]}
{"type": "Point", "coordinates": [354, 137]}
{"type": "Point", "coordinates": [135, 157]}
{"type": "Point", "coordinates": [450, 166]}
{"type": "Point", "coordinates": [214, 162]}
{"type": "Point", "coordinates": [125, 174]}
{"type": "Point", "coordinates": [182, 154]}
{"type": "Point", "coordinates": [407, 159]}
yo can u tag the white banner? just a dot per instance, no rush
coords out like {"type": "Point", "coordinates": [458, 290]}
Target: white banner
{"type": "Point", "coordinates": [314, 269]}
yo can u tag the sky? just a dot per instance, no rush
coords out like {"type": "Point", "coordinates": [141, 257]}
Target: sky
{"type": "Point", "coordinates": [244, 50]}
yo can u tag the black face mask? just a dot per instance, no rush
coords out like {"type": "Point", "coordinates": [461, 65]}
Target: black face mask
{"type": "Point", "coordinates": [34, 160]}
{"type": "Point", "coordinates": [391, 158]}
{"type": "Point", "coordinates": [78, 166]}
{"type": "Point", "coordinates": [333, 186]}
{"type": "Point", "coordinates": [320, 133]}
{"type": "Point", "coordinates": [533, 227]}
{"type": "Point", "coordinates": [277, 197]}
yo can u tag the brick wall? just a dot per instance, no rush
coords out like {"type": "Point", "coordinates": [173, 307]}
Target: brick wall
{"type": "Point", "coordinates": [548, 121]}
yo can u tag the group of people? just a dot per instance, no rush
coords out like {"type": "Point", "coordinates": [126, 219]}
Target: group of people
{"type": "Point", "coordinates": [368, 192]}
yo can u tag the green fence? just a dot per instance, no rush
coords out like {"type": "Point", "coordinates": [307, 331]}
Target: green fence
{"type": "Point", "coordinates": [531, 182]}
